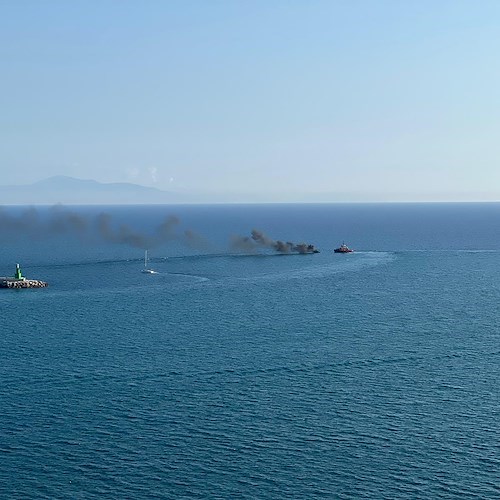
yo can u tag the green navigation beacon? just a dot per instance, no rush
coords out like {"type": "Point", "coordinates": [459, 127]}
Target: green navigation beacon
{"type": "Point", "coordinates": [18, 274]}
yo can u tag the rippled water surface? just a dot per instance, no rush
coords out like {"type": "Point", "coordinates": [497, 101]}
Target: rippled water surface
{"type": "Point", "coordinates": [369, 375]}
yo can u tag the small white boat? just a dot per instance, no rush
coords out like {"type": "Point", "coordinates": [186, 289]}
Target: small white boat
{"type": "Point", "coordinates": [146, 269]}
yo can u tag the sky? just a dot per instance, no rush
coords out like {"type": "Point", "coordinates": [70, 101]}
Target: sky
{"type": "Point", "coordinates": [271, 100]}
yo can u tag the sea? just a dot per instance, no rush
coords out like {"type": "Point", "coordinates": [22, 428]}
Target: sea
{"type": "Point", "coordinates": [239, 372]}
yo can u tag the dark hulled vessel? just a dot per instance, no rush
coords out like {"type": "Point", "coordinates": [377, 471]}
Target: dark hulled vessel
{"type": "Point", "coordinates": [343, 249]}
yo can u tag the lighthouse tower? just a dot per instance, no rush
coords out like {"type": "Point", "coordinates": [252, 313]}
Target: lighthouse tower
{"type": "Point", "coordinates": [18, 275]}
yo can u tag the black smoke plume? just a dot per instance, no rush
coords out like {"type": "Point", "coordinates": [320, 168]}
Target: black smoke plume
{"type": "Point", "coordinates": [258, 239]}
{"type": "Point", "coordinates": [60, 222]}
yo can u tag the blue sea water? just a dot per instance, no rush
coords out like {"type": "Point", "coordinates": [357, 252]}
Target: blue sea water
{"type": "Point", "coordinates": [253, 375]}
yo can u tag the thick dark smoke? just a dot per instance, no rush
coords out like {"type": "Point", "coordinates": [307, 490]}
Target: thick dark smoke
{"type": "Point", "coordinates": [122, 234]}
{"type": "Point", "coordinates": [166, 232]}
{"type": "Point", "coordinates": [31, 224]}
{"type": "Point", "coordinates": [259, 240]}
{"type": "Point", "coordinates": [61, 222]}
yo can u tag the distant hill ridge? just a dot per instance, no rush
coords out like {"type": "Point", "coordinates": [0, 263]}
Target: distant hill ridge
{"type": "Point", "coordinates": [70, 190]}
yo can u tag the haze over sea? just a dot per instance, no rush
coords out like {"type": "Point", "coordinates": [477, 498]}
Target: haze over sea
{"type": "Point", "coordinates": [255, 375]}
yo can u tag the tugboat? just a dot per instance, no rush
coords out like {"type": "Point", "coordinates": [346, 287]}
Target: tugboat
{"type": "Point", "coordinates": [343, 249]}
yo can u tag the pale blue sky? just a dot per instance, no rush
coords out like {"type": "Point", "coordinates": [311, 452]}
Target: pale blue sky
{"type": "Point", "coordinates": [272, 100]}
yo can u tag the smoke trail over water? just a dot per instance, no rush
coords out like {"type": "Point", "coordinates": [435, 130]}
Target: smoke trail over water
{"type": "Point", "coordinates": [58, 221]}
{"type": "Point", "coordinates": [258, 239]}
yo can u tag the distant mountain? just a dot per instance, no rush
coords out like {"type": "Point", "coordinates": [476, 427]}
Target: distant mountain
{"type": "Point", "coordinates": [71, 191]}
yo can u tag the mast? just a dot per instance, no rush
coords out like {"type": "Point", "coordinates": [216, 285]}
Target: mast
{"type": "Point", "coordinates": [145, 259]}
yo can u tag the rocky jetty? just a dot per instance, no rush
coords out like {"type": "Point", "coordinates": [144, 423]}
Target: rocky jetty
{"type": "Point", "coordinates": [19, 281]}
{"type": "Point", "coordinates": [22, 283]}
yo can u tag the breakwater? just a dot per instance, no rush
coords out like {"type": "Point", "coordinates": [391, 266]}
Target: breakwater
{"type": "Point", "coordinates": [21, 283]}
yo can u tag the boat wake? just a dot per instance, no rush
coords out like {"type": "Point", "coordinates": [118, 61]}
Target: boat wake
{"type": "Point", "coordinates": [362, 261]}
